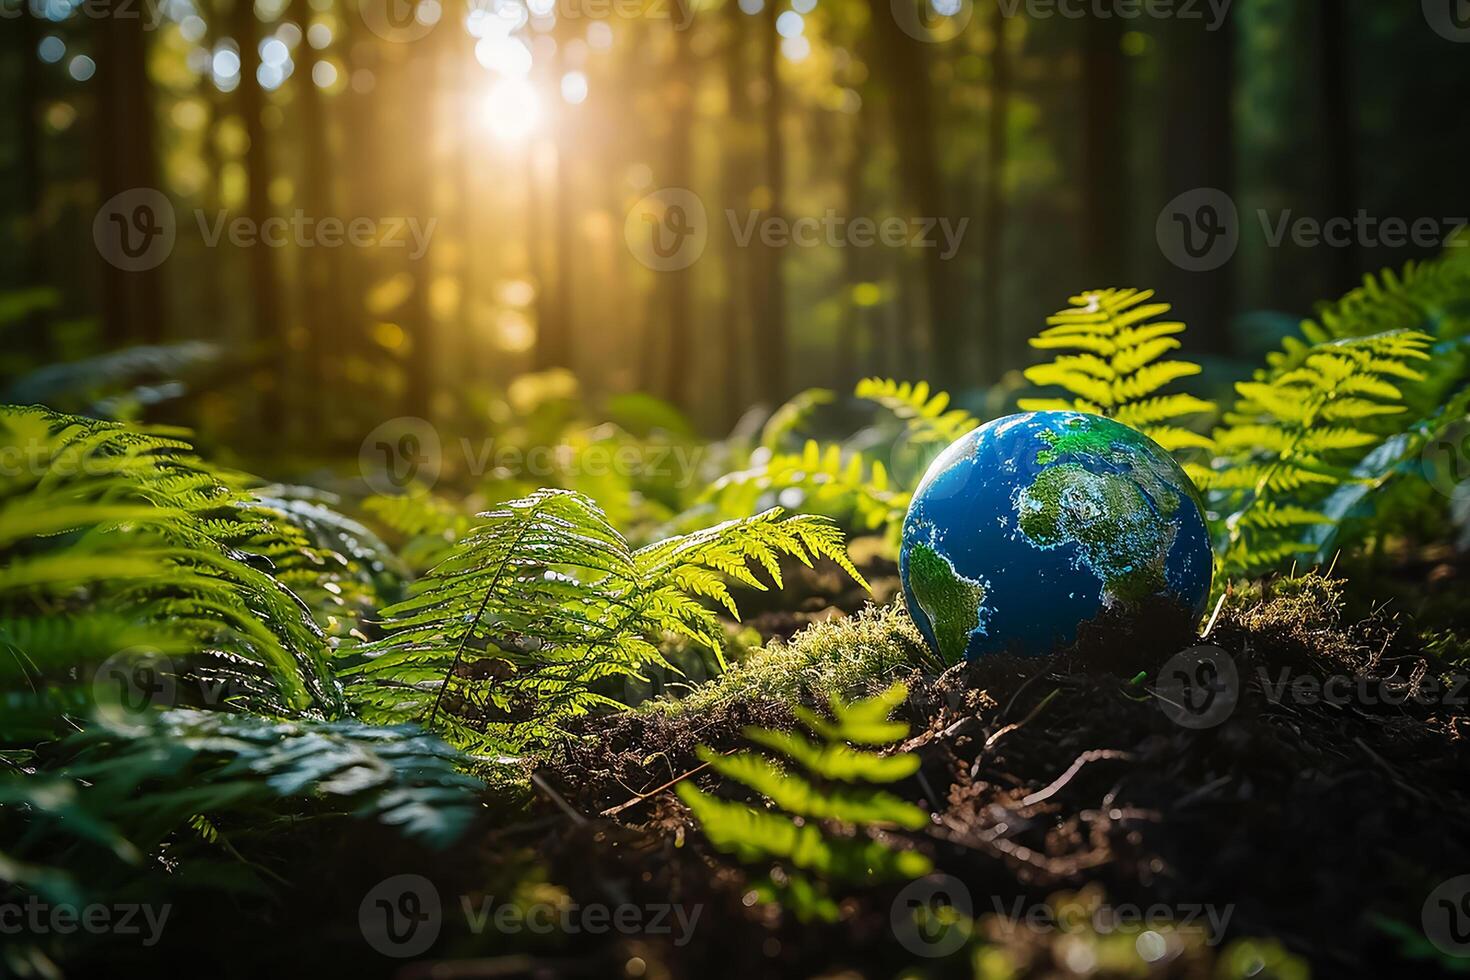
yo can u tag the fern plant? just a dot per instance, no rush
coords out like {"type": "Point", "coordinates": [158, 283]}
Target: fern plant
{"type": "Point", "coordinates": [1295, 434]}
{"type": "Point", "coordinates": [115, 537]}
{"type": "Point", "coordinates": [926, 413]}
{"type": "Point", "coordinates": [848, 481]}
{"type": "Point", "coordinates": [1116, 365]}
{"type": "Point", "coordinates": [827, 817]}
{"type": "Point", "coordinates": [507, 637]}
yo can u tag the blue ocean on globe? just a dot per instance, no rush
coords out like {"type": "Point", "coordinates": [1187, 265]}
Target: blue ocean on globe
{"type": "Point", "coordinates": [1033, 524]}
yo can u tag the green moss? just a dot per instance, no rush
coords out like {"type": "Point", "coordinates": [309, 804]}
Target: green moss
{"type": "Point", "coordinates": [841, 656]}
{"type": "Point", "coordinates": [955, 605]}
{"type": "Point", "coordinates": [1122, 540]}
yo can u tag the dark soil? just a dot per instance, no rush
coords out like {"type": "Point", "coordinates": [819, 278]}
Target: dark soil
{"type": "Point", "coordinates": [1316, 824]}
{"type": "Point", "coordinates": [1320, 826]}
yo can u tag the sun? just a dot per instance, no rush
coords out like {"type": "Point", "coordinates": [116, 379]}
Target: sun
{"type": "Point", "coordinates": [512, 110]}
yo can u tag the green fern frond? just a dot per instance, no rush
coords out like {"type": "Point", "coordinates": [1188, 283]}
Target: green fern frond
{"type": "Point", "coordinates": [831, 791]}
{"type": "Point", "coordinates": [927, 413]}
{"type": "Point", "coordinates": [1117, 365]}
{"type": "Point", "coordinates": [831, 482]}
{"type": "Point", "coordinates": [1296, 432]}
{"type": "Point", "coordinates": [504, 640]}
{"type": "Point", "coordinates": [104, 519]}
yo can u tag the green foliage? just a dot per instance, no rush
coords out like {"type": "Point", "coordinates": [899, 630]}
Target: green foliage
{"type": "Point", "coordinates": [1324, 445]}
{"type": "Point", "coordinates": [114, 537]}
{"type": "Point", "coordinates": [118, 383]}
{"type": "Point", "coordinates": [133, 577]}
{"type": "Point", "coordinates": [847, 481]}
{"type": "Point", "coordinates": [210, 793]}
{"type": "Point", "coordinates": [929, 417]}
{"type": "Point", "coordinates": [506, 638]}
{"type": "Point", "coordinates": [339, 566]}
{"type": "Point", "coordinates": [823, 832]}
{"type": "Point", "coordinates": [1116, 365]}
{"type": "Point", "coordinates": [831, 482]}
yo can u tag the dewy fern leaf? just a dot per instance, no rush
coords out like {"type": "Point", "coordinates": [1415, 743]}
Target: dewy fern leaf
{"type": "Point", "coordinates": [1116, 368]}
{"type": "Point", "coordinates": [796, 836]}
{"type": "Point", "coordinates": [505, 639]}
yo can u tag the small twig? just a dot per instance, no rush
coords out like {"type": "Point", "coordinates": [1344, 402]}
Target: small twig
{"type": "Point", "coordinates": [1096, 755]}
{"type": "Point", "coordinates": [1024, 721]}
{"type": "Point", "coordinates": [1199, 792]}
{"type": "Point", "coordinates": [1381, 761]}
{"type": "Point", "coordinates": [614, 811]}
{"type": "Point", "coordinates": [1219, 604]}
{"type": "Point", "coordinates": [557, 798]}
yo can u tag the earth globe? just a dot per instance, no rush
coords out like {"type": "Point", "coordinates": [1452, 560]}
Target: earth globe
{"type": "Point", "coordinates": [1031, 525]}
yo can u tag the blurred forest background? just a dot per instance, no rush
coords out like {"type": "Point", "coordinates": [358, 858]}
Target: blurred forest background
{"type": "Point", "coordinates": [521, 133]}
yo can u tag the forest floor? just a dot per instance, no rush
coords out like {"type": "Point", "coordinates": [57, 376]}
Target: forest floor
{"type": "Point", "coordinates": [1066, 791]}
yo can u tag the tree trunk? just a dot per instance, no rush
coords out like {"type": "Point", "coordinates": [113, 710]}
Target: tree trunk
{"type": "Point", "coordinates": [1199, 152]}
{"type": "Point", "coordinates": [770, 324]}
{"type": "Point", "coordinates": [1338, 138]}
{"type": "Point", "coordinates": [904, 67]}
{"type": "Point", "coordinates": [1104, 154]}
{"type": "Point", "coordinates": [320, 280]}
{"type": "Point", "coordinates": [735, 188]}
{"type": "Point", "coordinates": [133, 301]}
{"type": "Point", "coordinates": [997, 150]}
{"type": "Point", "coordinates": [679, 283]}
{"type": "Point", "coordinates": [268, 326]}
